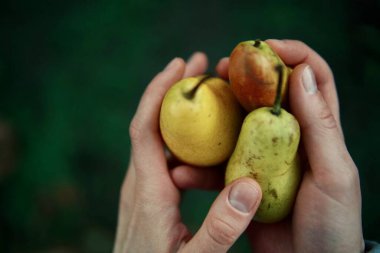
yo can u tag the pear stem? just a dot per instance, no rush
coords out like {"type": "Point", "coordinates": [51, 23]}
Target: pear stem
{"type": "Point", "coordinates": [276, 110]}
{"type": "Point", "coordinates": [191, 93]}
{"type": "Point", "coordinates": [257, 43]}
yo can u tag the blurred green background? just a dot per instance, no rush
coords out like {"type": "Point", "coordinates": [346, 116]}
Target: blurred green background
{"type": "Point", "coordinates": [72, 73]}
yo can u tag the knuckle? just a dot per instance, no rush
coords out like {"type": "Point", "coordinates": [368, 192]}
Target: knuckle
{"type": "Point", "coordinates": [340, 181]}
{"type": "Point", "coordinates": [221, 232]}
{"type": "Point", "coordinates": [345, 187]}
{"type": "Point", "coordinates": [349, 179]}
{"type": "Point", "coordinates": [326, 118]}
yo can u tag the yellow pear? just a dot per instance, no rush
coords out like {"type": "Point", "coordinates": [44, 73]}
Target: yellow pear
{"type": "Point", "coordinates": [267, 151]}
{"type": "Point", "coordinates": [200, 120]}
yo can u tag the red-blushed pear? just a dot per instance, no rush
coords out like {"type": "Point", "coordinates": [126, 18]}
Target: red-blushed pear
{"type": "Point", "coordinates": [252, 74]}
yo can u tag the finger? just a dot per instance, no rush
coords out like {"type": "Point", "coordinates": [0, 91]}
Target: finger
{"type": "Point", "coordinates": [188, 177]}
{"type": "Point", "coordinates": [196, 65]}
{"type": "Point", "coordinates": [324, 144]}
{"type": "Point", "coordinates": [228, 217]}
{"type": "Point", "coordinates": [222, 68]}
{"type": "Point", "coordinates": [144, 129]}
{"type": "Point", "coordinates": [294, 52]}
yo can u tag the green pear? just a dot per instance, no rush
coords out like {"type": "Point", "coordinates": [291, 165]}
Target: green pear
{"type": "Point", "coordinates": [267, 151]}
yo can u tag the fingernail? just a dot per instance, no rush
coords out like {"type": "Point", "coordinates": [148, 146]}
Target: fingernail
{"type": "Point", "coordinates": [243, 197]}
{"type": "Point", "coordinates": [308, 80]}
{"type": "Point", "coordinates": [171, 64]}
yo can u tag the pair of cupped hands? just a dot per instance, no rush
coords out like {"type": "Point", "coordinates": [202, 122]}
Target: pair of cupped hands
{"type": "Point", "coordinates": [327, 211]}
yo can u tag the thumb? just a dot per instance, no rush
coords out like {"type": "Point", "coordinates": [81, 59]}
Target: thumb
{"type": "Point", "coordinates": [228, 217]}
{"type": "Point", "coordinates": [321, 131]}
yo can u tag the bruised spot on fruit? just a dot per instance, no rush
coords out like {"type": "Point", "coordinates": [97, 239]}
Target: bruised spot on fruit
{"type": "Point", "coordinates": [250, 162]}
{"type": "Point", "coordinates": [276, 154]}
{"type": "Point", "coordinates": [209, 115]}
{"type": "Point", "coordinates": [273, 192]}
{"type": "Point", "coordinates": [254, 156]}
{"type": "Point", "coordinates": [290, 139]}
{"type": "Point", "coordinates": [253, 175]}
{"type": "Point", "coordinates": [219, 143]}
{"type": "Point", "coordinates": [274, 140]}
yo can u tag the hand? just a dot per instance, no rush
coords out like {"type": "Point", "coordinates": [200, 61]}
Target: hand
{"type": "Point", "coordinates": [327, 211]}
{"type": "Point", "coordinates": [149, 215]}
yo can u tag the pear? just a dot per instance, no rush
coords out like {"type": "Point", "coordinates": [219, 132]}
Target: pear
{"type": "Point", "coordinates": [200, 120]}
{"type": "Point", "coordinates": [252, 74]}
{"type": "Point", "coordinates": [266, 150]}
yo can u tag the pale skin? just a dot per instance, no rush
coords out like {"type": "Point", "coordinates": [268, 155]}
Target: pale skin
{"type": "Point", "coordinates": [327, 211]}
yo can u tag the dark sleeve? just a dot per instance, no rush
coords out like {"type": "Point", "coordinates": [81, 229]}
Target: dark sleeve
{"type": "Point", "coordinates": [372, 247]}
